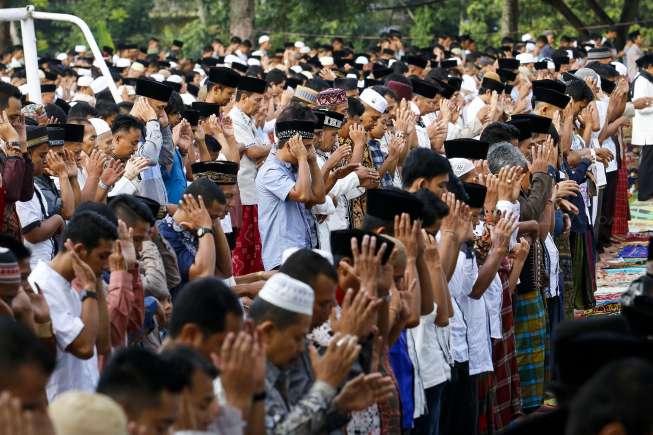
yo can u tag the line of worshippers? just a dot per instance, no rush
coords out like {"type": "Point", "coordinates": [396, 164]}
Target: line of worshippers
{"type": "Point", "coordinates": [404, 245]}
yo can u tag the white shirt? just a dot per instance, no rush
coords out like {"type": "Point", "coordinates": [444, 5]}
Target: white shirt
{"type": "Point", "coordinates": [29, 213]}
{"type": "Point", "coordinates": [643, 120]}
{"type": "Point", "coordinates": [70, 373]}
{"type": "Point", "coordinates": [474, 332]}
{"type": "Point", "coordinates": [419, 396]}
{"type": "Point", "coordinates": [246, 135]}
{"type": "Point", "coordinates": [554, 266]}
{"type": "Point", "coordinates": [429, 354]}
{"type": "Point", "coordinates": [471, 110]}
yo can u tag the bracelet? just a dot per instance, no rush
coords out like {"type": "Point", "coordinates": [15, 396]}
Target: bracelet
{"type": "Point", "coordinates": [44, 330]}
{"type": "Point", "coordinates": [103, 186]}
{"type": "Point", "coordinates": [259, 397]}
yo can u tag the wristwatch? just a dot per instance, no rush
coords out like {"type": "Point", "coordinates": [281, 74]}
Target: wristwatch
{"type": "Point", "coordinates": [85, 294]}
{"type": "Point", "coordinates": [204, 231]}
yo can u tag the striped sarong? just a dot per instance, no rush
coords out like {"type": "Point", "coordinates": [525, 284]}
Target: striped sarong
{"type": "Point", "coordinates": [530, 343]}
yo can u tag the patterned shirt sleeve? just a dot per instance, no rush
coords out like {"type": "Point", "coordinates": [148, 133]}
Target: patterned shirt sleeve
{"type": "Point", "coordinates": [308, 416]}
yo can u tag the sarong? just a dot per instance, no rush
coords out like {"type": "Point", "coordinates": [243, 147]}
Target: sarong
{"type": "Point", "coordinates": [530, 344]}
{"type": "Point", "coordinates": [247, 253]}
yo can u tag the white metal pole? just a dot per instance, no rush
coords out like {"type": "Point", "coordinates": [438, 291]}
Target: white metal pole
{"type": "Point", "coordinates": [99, 60]}
{"type": "Point", "coordinates": [31, 57]}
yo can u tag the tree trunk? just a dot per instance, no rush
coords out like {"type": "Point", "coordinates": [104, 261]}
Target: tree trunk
{"type": "Point", "coordinates": [241, 18]}
{"type": "Point", "coordinates": [629, 12]}
{"type": "Point", "coordinates": [510, 18]}
{"type": "Point", "coordinates": [595, 7]}
{"type": "Point", "coordinates": [569, 15]}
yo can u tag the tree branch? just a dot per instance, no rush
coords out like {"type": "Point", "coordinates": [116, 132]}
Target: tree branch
{"type": "Point", "coordinates": [568, 14]}
{"type": "Point", "coordinates": [598, 10]}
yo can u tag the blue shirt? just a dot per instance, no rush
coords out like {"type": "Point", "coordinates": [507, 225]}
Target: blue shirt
{"type": "Point", "coordinates": [282, 222]}
{"type": "Point", "coordinates": [183, 242]}
{"type": "Point", "coordinates": [404, 372]}
{"type": "Point", "coordinates": [175, 179]}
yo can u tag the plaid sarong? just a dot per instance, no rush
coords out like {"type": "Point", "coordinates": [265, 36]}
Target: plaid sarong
{"type": "Point", "coordinates": [507, 393]}
{"type": "Point", "coordinates": [530, 341]}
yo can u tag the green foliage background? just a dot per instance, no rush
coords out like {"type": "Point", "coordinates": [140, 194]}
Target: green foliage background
{"type": "Point", "coordinates": [136, 20]}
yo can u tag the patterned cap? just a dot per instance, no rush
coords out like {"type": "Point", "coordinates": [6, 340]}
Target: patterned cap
{"type": "Point", "coordinates": [9, 271]}
{"type": "Point", "coordinates": [331, 97]}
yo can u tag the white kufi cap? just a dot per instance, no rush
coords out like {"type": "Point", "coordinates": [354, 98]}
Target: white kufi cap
{"type": "Point", "coordinates": [461, 166]}
{"type": "Point", "coordinates": [288, 293]}
{"type": "Point", "coordinates": [374, 100]}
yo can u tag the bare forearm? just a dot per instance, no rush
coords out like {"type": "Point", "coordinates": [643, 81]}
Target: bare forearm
{"type": "Point", "coordinates": [317, 183]}
{"type": "Point", "coordinates": [514, 275]}
{"type": "Point", "coordinates": [230, 148]}
{"type": "Point", "coordinates": [223, 253]}
{"type": "Point", "coordinates": [449, 253]}
{"type": "Point", "coordinates": [486, 273]}
{"type": "Point", "coordinates": [203, 151]}
{"type": "Point", "coordinates": [47, 229]}
{"type": "Point", "coordinates": [77, 193]}
{"type": "Point", "coordinates": [357, 153]}
{"type": "Point", "coordinates": [67, 197]}
{"type": "Point", "coordinates": [426, 286]}
{"type": "Point", "coordinates": [415, 305]}
{"type": "Point", "coordinates": [204, 260]}
{"type": "Point", "coordinates": [90, 189]}
{"type": "Point", "coordinates": [440, 294]}
{"type": "Point", "coordinates": [104, 326]}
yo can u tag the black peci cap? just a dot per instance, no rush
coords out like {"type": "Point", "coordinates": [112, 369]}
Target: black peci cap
{"type": "Point", "coordinates": [192, 116]}
{"type": "Point", "coordinates": [524, 127]}
{"type": "Point", "coordinates": [546, 95]}
{"type": "Point", "coordinates": [414, 60]}
{"type": "Point", "coordinates": [206, 109]}
{"type": "Point", "coordinates": [153, 89]}
{"type": "Point", "coordinates": [424, 88]}
{"type": "Point", "coordinates": [537, 123]}
{"type": "Point", "coordinates": [385, 204]}
{"type": "Point", "coordinates": [464, 148]}
{"type": "Point", "coordinates": [73, 132]}
{"type": "Point", "coordinates": [48, 87]}
{"type": "Point", "coordinates": [506, 75]}
{"type": "Point", "coordinates": [476, 194]}
{"type": "Point", "coordinates": [493, 85]}
{"type": "Point", "coordinates": [341, 243]}
{"type": "Point", "coordinates": [56, 135]}
{"type": "Point", "coordinates": [224, 76]}
{"type": "Point", "coordinates": [555, 85]}
{"type": "Point", "coordinates": [508, 63]}
{"type": "Point", "coordinates": [328, 119]}
{"type": "Point", "coordinates": [252, 84]}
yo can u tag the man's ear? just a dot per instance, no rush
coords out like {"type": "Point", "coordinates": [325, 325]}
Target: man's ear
{"type": "Point", "coordinates": [265, 329]}
{"type": "Point", "coordinates": [80, 250]}
{"type": "Point", "coordinates": [191, 335]}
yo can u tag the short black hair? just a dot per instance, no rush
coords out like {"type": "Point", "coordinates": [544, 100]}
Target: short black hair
{"type": "Point", "coordinates": [89, 228]}
{"type": "Point", "coordinates": [433, 208]}
{"type": "Point", "coordinates": [16, 246]}
{"type": "Point", "coordinates": [423, 162]}
{"type": "Point", "coordinates": [135, 377]}
{"type": "Point", "coordinates": [262, 310]}
{"type": "Point", "coordinates": [106, 108]}
{"type": "Point", "coordinates": [373, 223]}
{"type": "Point", "coordinates": [355, 107]}
{"type": "Point", "coordinates": [579, 91]}
{"type": "Point", "coordinates": [175, 104]}
{"type": "Point", "coordinates": [619, 392]}
{"type": "Point", "coordinates": [82, 109]}
{"type": "Point", "coordinates": [52, 110]}
{"type": "Point", "coordinates": [209, 191]}
{"type": "Point", "coordinates": [125, 107]}
{"type": "Point", "coordinates": [306, 265]}
{"type": "Point", "coordinates": [8, 91]}
{"type": "Point", "coordinates": [633, 35]}
{"type": "Point", "coordinates": [275, 76]}
{"type": "Point", "coordinates": [204, 302]}
{"type": "Point", "coordinates": [100, 208]}
{"type": "Point", "coordinates": [130, 209]}
{"type": "Point", "coordinates": [187, 361]}
{"type": "Point", "coordinates": [20, 346]}
{"type": "Point", "coordinates": [385, 92]}
{"type": "Point", "coordinates": [499, 132]}
{"type": "Point", "coordinates": [125, 123]}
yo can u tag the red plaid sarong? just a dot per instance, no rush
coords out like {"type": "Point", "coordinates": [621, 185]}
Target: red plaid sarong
{"type": "Point", "coordinates": [247, 253]}
{"type": "Point", "coordinates": [621, 210]}
{"type": "Point", "coordinates": [507, 392]}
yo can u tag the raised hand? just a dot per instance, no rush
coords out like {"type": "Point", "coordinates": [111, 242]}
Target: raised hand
{"type": "Point", "coordinates": [55, 164]}
{"type": "Point", "coordinates": [367, 262]}
{"type": "Point", "coordinates": [566, 188]}
{"type": "Point", "coordinates": [516, 184]}
{"type": "Point", "coordinates": [7, 131]}
{"type": "Point", "coordinates": [196, 214]}
{"type": "Point", "coordinates": [327, 74]}
{"type": "Point", "coordinates": [342, 153]}
{"type": "Point", "coordinates": [116, 260]}
{"type": "Point", "coordinates": [604, 155]}
{"type": "Point", "coordinates": [541, 158]}
{"type": "Point", "coordinates": [332, 368]}
{"type": "Point", "coordinates": [343, 171]}
{"type": "Point", "coordinates": [450, 221]}
{"type": "Point", "coordinates": [368, 178]}
{"type": "Point", "coordinates": [112, 172]}
{"type": "Point", "coordinates": [95, 164]}
{"type": "Point", "coordinates": [501, 232]}
{"type": "Point", "coordinates": [363, 391]}
{"type": "Point", "coordinates": [134, 167]}
{"type": "Point", "coordinates": [297, 148]}
{"type": "Point", "coordinates": [431, 252]}
{"type": "Point", "coordinates": [128, 250]}
{"type": "Point", "coordinates": [357, 314]}
{"type": "Point", "coordinates": [408, 234]}
{"type": "Point", "coordinates": [492, 194]}
{"type": "Point", "coordinates": [40, 306]}
{"type": "Point", "coordinates": [520, 250]}
{"type": "Point", "coordinates": [182, 135]}
{"type": "Point", "coordinates": [71, 163]}
{"type": "Point", "coordinates": [83, 271]}
{"type": "Point", "coordinates": [357, 134]}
